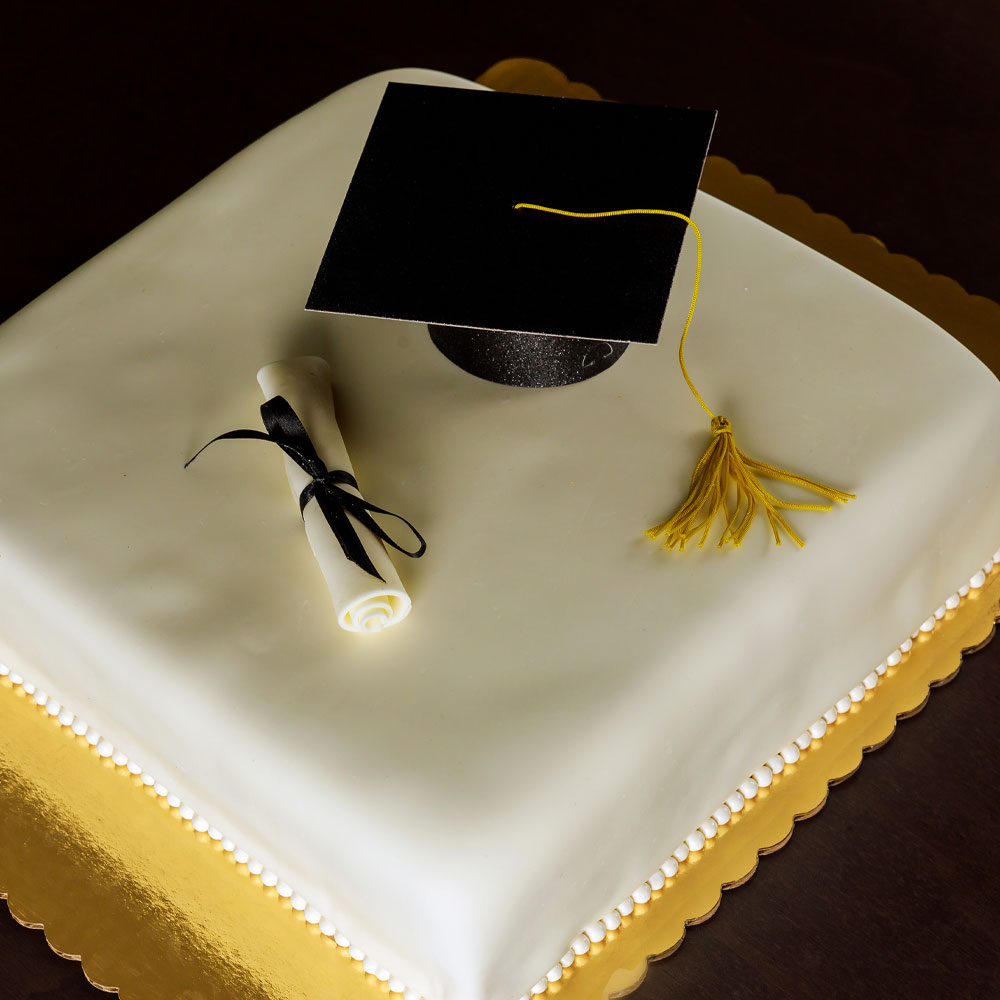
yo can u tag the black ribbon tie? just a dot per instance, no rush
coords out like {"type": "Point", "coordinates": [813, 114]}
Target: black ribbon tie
{"type": "Point", "coordinates": [286, 431]}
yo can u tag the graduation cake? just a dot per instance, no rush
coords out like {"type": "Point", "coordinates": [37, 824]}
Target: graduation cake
{"type": "Point", "coordinates": [467, 800]}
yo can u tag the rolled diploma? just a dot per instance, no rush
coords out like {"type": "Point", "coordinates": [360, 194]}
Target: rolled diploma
{"type": "Point", "coordinates": [362, 603]}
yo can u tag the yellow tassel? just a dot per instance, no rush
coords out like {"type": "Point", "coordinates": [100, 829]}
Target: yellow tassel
{"type": "Point", "coordinates": [723, 466]}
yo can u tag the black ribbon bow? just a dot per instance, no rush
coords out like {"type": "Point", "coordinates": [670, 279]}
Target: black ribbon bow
{"type": "Point", "coordinates": [286, 431]}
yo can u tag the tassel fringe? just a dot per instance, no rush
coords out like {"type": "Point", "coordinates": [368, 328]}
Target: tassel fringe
{"type": "Point", "coordinates": [723, 466]}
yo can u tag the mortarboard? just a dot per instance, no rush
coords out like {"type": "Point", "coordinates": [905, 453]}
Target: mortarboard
{"type": "Point", "coordinates": [535, 298]}
{"type": "Point", "coordinates": [436, 239]}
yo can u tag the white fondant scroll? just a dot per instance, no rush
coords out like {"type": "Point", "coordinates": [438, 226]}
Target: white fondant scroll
{"type": "Point", "coordinates": [362, 603]}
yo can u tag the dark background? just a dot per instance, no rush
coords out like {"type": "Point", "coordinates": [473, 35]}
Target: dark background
{"type": "Point", "coordinates": [884, 114]}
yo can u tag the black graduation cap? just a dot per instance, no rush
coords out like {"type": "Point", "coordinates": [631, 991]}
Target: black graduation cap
{"type": "Point", "coordinates": [428, 231]}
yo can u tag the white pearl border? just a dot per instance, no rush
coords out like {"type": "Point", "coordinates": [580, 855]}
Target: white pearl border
{"type": "Point", "coordinates": [762, 777]}
{"type": "Point", "coordinates": [593, 933]}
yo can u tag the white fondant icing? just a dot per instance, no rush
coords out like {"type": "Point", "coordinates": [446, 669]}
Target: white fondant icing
{"type": "Point", "coordinates": [507, 514]}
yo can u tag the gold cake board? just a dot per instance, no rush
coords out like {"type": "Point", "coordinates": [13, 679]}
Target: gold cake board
{"type": "Point", "coordinates": [160, 912]}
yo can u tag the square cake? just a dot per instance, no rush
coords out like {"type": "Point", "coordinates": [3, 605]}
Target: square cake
{"type": "Point", "coordinates": [469, 799]}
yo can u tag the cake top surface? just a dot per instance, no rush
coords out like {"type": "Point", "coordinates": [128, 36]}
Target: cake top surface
{"type": "Point", "coordinates": [566, 698]}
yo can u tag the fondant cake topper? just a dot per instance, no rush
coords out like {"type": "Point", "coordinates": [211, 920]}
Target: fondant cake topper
{"type": "Point", "coordinates": [435, 241]}
{"type": "Point", "coordinates": [723, 465]}
{"type": "Point", "coordinates": [346, 540]}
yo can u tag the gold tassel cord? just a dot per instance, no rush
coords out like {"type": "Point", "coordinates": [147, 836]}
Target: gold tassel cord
{"type": "Point", "coordinates": [723, 468]}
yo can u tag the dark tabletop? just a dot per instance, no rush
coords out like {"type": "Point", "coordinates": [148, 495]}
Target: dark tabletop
{"type": "Point", "coordinates": [884, 114]}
